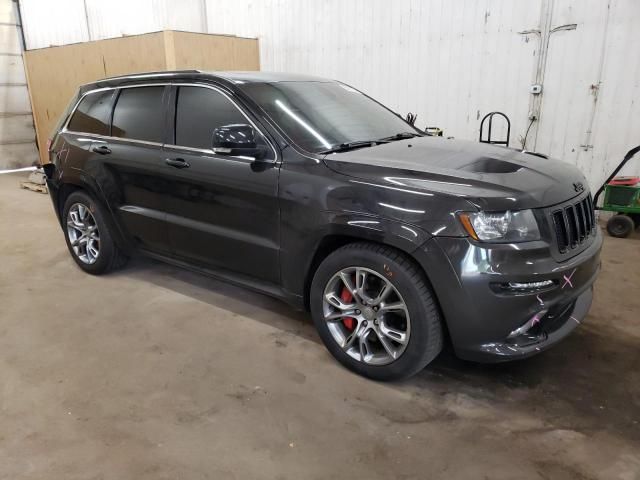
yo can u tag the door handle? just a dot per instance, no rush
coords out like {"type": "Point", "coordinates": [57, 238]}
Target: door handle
{"type": "Point", "coordinates": [102, 150]}
{"type": "Point", "coordinates": [177, 162]}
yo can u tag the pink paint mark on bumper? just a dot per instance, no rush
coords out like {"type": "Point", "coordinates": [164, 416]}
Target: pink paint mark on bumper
{"type": "Point", "coordinates": [567, 280]}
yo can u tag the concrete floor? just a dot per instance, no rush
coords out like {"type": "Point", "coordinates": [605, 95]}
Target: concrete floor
{"type": "Point", "coordinates": [156, 373]}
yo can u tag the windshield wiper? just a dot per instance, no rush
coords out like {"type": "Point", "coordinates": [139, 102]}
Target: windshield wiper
{"type": "Point", "coordinates": [343, 147]}
{"type": "Point", "coordinates": [399, 136]}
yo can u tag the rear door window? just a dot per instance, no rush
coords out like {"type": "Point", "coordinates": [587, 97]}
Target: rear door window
{"type": "Point", "coordinates": [92, 114]}
{"type": "Point", "coordinates": [199, 111]}
{"type": "Point", "coordinates": [139, 114]}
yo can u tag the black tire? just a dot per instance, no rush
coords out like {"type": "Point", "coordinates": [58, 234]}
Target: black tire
{"type": "Point", "coordinates": [109, 257]}
{"type": "Point", "coordinates": [620, 226]}
{"type": "Point", "coordinates": [426, 333]}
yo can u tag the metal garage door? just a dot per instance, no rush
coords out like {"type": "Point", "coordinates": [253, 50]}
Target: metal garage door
{"type": "Point", "coordinates": [17, 135]}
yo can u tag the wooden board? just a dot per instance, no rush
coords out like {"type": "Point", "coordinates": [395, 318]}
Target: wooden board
{"type": "Point", "coordinates": [55, 73]}
{"type": "Point", "coordinates": [35, 187]}
{"type": "Point", "coordinates": [212, 52]}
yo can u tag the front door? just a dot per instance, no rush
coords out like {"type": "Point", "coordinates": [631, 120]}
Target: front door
{"type": "Point", "coordinates": [223, 211]}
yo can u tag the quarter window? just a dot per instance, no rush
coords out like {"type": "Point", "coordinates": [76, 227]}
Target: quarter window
{"type": "Point", "coordinates": [92, 115]}
{"type": "Point", "coordinates": [198, 112]}
{"type": "Point", "coordinates": [139, 114]}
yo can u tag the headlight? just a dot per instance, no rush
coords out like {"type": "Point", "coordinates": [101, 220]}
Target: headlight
{"type": "Point", "coordinates": [520, 226]}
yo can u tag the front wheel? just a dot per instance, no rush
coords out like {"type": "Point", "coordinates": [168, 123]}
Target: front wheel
{"type": "Point", "coordinates": [375, 311]}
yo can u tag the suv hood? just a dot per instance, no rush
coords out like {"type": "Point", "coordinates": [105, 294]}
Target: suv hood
{"type": "Point", "coordinates": [489, 177]}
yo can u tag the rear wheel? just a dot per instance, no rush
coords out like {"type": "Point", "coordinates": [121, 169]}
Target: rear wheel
{"type": "Point", "coordinates": [375, 312]}
{"type": "Point", "coordinates": [620, 226]}
{"type": "Point", "coordinates": [88, 237]}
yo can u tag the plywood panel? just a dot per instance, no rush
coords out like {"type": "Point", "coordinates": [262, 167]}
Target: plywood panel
{"type": "Point", "coordinates": [214, 52]}
{"type": "Point", "coordinates": [54, 74]}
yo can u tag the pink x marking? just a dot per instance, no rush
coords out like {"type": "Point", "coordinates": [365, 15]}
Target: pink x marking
{"type": "Point", "coordinates": [567, 280]}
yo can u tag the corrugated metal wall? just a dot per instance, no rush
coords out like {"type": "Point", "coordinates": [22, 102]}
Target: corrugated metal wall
{"type": "Point", "coordinates": [449, 62]}
{"type": "Point", "coordinates": [17, 135]}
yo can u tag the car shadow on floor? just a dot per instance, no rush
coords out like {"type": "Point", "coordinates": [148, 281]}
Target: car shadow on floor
{"type": "Point", "coordinates": [587, 374]}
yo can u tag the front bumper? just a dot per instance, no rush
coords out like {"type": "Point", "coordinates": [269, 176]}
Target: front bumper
{"type": "Point", "coordinates": [488, 321]}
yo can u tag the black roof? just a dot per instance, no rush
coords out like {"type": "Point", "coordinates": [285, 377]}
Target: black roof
{"type": "Point", "coordinates": [265, 77]}
{"type": "Point", "coordinates": [225, 77]}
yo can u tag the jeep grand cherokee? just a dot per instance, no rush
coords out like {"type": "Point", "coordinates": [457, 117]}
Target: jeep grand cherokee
{"type": "Point", "coordinates": [308, 190]}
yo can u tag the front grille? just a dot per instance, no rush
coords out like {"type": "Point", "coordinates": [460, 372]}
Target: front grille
{"type": "Point", "coordinates": [573, 224]}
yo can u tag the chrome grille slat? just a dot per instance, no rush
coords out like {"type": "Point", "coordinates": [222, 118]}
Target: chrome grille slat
{"type": "Point", "coordinates": [582, 227]}
{"type": "Point", "coordinates": [573, 224]}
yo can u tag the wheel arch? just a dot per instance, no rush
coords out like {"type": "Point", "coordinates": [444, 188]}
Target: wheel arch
{"type": "Point", "coordinates": [333, 241]}
{"type": "Point", "coordinates": [69, 186]}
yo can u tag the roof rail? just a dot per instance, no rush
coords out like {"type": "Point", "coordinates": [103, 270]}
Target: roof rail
{"type": "Point", "coordinates": [148, 74]}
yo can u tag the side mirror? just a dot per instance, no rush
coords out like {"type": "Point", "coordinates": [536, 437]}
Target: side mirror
{"type": "Point", "coordinates": [236, 140]}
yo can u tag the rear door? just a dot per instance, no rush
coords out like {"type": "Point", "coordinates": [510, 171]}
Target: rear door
{"type": "Point", "coordinates": [222, 211]}
{"type": "Point", "coordinates": [128, 164]}
{"type": "Point", "coordinates": [134, 157]}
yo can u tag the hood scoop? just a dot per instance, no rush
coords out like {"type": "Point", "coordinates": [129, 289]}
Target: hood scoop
{"type": "Point", "coordinates": [491, 165]}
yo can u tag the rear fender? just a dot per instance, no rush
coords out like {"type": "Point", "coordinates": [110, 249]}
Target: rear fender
{"type": "Point", "coordinates": [80, 180]}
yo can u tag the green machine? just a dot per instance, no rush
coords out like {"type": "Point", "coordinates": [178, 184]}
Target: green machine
{"type": "Point", "coordinates": [622, 196]}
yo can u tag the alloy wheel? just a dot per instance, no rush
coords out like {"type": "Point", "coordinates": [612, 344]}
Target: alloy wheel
{"type": "Point", "coordinates": [83, 233]}
{"type": "Point", "coordinates": [366, 315]}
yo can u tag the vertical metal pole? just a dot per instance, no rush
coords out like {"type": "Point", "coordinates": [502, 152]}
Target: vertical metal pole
{"type": "Point", "coordinates": [86, 19]}
{"type": "Point", "coordinates": [23, 41]}
{"type": "Point", "coordinates": [205, 19]}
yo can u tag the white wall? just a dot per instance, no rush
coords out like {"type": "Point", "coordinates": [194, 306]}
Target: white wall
{"type": "Point", "coordinates": [449, 61]}
{"type": "Point", "coordinates": [17, 135]}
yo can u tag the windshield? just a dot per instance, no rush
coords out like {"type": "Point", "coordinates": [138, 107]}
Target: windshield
{"type": "Point", "coordinates": [318, 116]}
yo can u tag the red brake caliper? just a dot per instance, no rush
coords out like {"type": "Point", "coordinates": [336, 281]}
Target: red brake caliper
{"type": "Point", "coordinates": [346, 297]}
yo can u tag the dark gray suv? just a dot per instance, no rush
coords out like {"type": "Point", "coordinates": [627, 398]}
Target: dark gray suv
{"type": "Point", "coordinates": [310, 191]}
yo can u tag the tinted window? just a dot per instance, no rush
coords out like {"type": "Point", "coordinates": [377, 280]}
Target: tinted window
{"type": "Point", "coordinates": [92, 115]}
{"type": "Point", "coordinates": [321, 115]}
{"type": "Point", "coordinates": [139, 114]}
{"type": "Point", "coordinates": [198, 111]}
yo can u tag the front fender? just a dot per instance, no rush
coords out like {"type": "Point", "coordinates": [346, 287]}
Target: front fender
{"type": "Point", "coordinates": [297, 257]}
{"type": "Point", "coordinates": [381, 230]}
